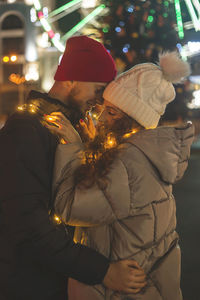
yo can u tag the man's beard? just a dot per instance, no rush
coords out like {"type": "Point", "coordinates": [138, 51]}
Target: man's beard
{"type": "Point", "coordinates": [74, 110]}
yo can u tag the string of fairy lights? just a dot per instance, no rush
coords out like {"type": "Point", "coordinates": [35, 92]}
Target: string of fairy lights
{"type": "Point", "coordinates": [33, 108]}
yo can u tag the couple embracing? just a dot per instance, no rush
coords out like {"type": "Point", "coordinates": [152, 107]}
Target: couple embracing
{"type": "Point", "coordinates": [112, 182]}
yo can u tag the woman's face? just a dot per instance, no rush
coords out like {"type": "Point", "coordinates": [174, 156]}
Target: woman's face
{"type": "Point", "coordinates": [109, 115]}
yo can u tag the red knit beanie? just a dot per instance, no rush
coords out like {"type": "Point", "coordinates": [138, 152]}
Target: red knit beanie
{"type": "Point", "coordinates": [85, 59]}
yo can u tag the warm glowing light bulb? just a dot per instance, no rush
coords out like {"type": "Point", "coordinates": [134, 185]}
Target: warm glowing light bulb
{"type": "Point", "coordinates": [129, 134]}
{"type": "Point", "coordinates": [110, 142]}
{"type": "Point", "coordinates": [94, 116]}
{"type": "Point", "coordinates": [63, 142]}
{"type": "Point", "coordinates": [57, 219]}
{"type": "Point", "coordinates": [13, 58]}
{"type": "Point", "coordinates": [6, 59]}
{"type": "Point", "coordinates": [32, 108]}
{"type": "Point", "coordinates": [50, 118]}
{"type": "Point", "coordinates": [20, 108]}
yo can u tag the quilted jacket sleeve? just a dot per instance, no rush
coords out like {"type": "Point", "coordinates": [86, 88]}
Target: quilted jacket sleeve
{"type": "Point", "coordinates": [93, 206]}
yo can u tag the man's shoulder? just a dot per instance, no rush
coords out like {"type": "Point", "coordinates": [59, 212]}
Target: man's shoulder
{"type": "Point", "coordinates": [28, 125]}
{"type": "Point", "coordinates": [23, 116]}
{"type": "Point", "coordinates": [25, 133]}
{"type": "Point", "coordinates": [24, 121]}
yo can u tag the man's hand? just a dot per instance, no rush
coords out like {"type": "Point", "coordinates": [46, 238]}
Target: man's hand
{"type": "Point", "coordinates": [125, 276]}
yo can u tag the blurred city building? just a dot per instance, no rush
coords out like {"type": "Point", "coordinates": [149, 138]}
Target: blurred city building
{"type": "Point", "coordinates": [18, 53]}
{"type": "Point", "coordinates": [27, 59]}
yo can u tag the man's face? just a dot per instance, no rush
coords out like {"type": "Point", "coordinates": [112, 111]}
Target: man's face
{"type": "Point", "coordinates": [87, 94]}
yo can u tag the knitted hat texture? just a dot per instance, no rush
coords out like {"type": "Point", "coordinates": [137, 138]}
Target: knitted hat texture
{"type": "Point", "coordinates": [85, 59]}
{"type": "Point", "coordinates": [144, 91]}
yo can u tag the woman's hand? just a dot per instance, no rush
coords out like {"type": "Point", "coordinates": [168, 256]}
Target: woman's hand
{"type": "Point", "coordinates": [87, 128]}
{"type": "Point", "coordinates": [63, 128]}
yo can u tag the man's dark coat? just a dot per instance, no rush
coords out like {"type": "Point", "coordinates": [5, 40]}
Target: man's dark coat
{"type": "Point", "coordinates": [36, 256]}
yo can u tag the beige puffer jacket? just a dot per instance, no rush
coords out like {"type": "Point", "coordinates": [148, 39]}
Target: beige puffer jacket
{"type": "Point", "coordinates": [135, 217]}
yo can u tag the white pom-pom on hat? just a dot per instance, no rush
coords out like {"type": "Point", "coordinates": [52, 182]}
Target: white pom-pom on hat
{"type": "Point", "coordinates": [173, 67]}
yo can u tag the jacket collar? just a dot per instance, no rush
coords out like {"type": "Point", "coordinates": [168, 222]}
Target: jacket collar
{"type": "Point", "coordinates": [43, 104]}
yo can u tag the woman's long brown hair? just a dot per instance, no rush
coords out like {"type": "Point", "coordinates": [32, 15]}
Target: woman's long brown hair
{"type": "Point", "coordinates": [98, 160]}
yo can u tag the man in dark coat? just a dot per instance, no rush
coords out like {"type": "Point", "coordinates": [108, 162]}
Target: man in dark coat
{"type": "Point", "coordinates": [36, 254]}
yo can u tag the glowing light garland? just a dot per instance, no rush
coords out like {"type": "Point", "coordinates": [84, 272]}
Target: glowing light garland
{"type": "Point", "coordinates": [110, 141]}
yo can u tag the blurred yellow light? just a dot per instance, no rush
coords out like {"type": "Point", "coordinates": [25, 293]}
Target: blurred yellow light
{"type": "Point", "coordinates": [16, 78]}
{"type": "Point", "coordinates": [6, 59]}
{"type": "Point", "coordinates": [63, 142]}
{"type": "Point", "coordinates": [95, 116]}
{"type": "Point", "coordinates": [21, 108]}
{"type": "Point", "coordinates": [110, 142]}
{"type": "Point", "coordinates": [50, 118]}
{"type": "Point", "coordinates": [23, 79]}
{"type": "Point", "coordinates": [57, 219]}
{"type": "Point", "coordinates": [135, 35]}
{"type": "Point", "coordinates": [32, 108]}
{"type": "Point", "coordinates": [13, 58]}
{"type": "Point", "coordinates": [129, 134]}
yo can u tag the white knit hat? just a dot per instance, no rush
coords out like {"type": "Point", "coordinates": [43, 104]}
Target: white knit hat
{"type": "Point", "coordinates": [144, 91]}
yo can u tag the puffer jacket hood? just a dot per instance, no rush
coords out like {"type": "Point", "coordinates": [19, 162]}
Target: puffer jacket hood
{"type": "Point", "coordinates": [168, 149]}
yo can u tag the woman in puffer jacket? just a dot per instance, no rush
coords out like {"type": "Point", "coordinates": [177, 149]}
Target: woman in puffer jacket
{"type": "Point", "coordinates": [117, 190]}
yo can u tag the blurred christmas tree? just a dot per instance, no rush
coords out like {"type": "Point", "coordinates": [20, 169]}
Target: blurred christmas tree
{"type": "Point", "coordinates": [135, 31]}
